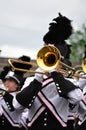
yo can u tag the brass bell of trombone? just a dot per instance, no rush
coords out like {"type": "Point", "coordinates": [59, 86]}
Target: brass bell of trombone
{"type": "Point", "coordinates": [48, 57]}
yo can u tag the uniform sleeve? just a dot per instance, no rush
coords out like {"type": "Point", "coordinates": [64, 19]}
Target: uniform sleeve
{"type": "Point", "coordinates": [65, 85]}
{"type": "Point", "coordinates": [28, 94]}
{"type": "Point", "coordinates": [8, 98]}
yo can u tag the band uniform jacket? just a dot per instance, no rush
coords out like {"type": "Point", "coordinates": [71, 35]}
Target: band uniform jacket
{"type": "Point", "coordinates": [47, 109]}
{"type": "Point", "coordinates": [9, 117]}
{"type": "Point", "coordinates": [77, 112]}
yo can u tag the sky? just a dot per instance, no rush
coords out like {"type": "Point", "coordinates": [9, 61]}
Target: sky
{"type": "Point", "coordinates": [23, 23]}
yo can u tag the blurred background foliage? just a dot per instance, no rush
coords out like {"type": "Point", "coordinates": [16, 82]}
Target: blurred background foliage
{"type": "Point", "coordinates": [78, 44]}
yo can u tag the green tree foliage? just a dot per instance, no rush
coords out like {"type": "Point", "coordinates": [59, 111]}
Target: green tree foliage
{"type": "Point", "coordinates": [78, 42]}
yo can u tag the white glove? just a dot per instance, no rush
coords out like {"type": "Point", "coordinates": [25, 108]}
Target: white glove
{"type": "Point", "coordinates": [39, 76]}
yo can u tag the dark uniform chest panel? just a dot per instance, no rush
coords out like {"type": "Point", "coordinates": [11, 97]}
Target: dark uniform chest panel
{"type": "Point", "coordinates": [46, 121]}
{"type": "Point", "coordinates": [5, 124]}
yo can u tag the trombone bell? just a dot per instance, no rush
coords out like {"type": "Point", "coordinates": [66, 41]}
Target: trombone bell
{"type": "Point", "coordinates": [48, 57]}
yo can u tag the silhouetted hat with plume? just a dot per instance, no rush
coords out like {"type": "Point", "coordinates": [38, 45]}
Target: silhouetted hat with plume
{"type": "Point", "coordinates": [59, 31]}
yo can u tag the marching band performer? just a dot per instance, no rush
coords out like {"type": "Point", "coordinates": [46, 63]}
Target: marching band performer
{"type": "Point", "coordinates": [10, 118]}
{"type": "Point", "coordinates": [12, 83]}
{"type": "Point", "coordinates": [47, 97]}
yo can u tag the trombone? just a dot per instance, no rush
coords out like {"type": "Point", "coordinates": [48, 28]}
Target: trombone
{"type": "Point", "coordinates": [11, 61]}
{"type": "Point", "coordinates": [48, 58]}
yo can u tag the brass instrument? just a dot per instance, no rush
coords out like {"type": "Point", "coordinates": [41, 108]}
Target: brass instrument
{"type": "Point", "coordinates": [11, 61]}
{"type": "Point", "coordinates": [48, 58]}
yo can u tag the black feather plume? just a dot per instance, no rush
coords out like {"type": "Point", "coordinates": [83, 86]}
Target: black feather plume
{"type": "Point", "coordinates": [59, 30]}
